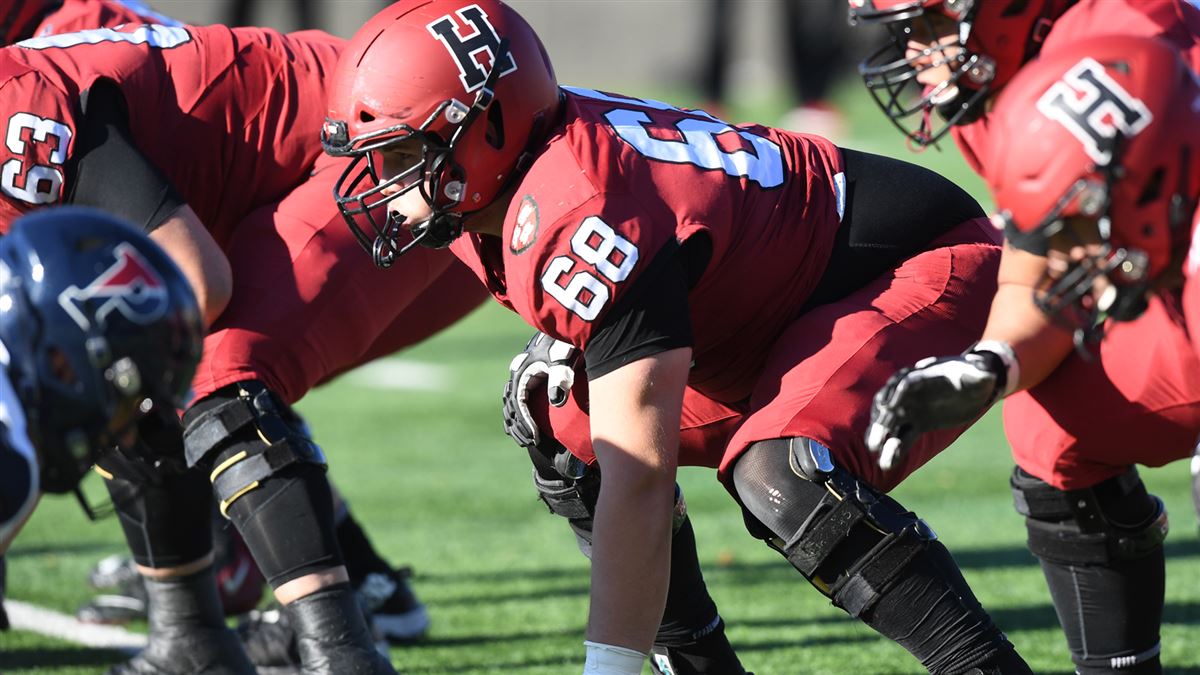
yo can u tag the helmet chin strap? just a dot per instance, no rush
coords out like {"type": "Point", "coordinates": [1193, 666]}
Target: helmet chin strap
{"type": "Point", "coordinates": [439, 231]}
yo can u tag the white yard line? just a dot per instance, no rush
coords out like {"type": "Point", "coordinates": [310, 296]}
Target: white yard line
{"type": "Point", "coordinates": [400, 374]}
{"type": "Point", "coordinates": [50, 623]}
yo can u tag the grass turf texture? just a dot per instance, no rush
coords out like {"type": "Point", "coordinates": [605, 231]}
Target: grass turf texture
{"type": "Point", "coordinates": [438, 486]}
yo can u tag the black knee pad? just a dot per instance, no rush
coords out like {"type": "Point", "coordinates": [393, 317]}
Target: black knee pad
{"type": "Point", "coordinates": [1101, 552]}
{"type": "Point", "coordinates": [870, 556]}
{"type": "Point", "coordinates": [164, 512]}
{"type": "Point", "coordinates": [845, 537]}
{"type": "Point", "coordinates": [570, 488]}
{"type": "Point", "coordinates": [268, 477]}
{"type": "Point", "coordinates": [1113, 520]}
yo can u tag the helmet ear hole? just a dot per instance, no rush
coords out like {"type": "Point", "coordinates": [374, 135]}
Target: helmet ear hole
{"type": "Point", "coordinates": [494, 133]}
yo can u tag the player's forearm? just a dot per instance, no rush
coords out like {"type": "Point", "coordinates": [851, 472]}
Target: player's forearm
{"type": "Point", "coordinates": [631, 559]}
{"type": "Point", "coordinates": [1040, 345]}
{"type": "Point", "coordinates": [635, 433]}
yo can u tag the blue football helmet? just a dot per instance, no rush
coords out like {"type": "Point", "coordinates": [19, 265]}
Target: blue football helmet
{"type": "Point", "coordinates": [98, 326]}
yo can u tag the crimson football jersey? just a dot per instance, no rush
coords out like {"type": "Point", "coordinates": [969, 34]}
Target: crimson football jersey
{"type": "Point", "coordinates": [621, 181]}
{"type": "Point", "coordinates": [230, 116]}
{"type": "Point", "coordinates": [1176, 21]}
{"type": "Point", "coordinates": [77, 15]}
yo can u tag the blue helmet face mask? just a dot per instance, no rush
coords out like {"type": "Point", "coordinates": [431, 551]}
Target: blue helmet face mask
{"type": "Point", "coordinates": [100, 328]}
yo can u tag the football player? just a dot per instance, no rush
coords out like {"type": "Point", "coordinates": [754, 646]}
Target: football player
{"type": "Point", "coordinates": [396, 616]}
{"type": "Point", "coordinates": [771, 274]}
{"type": "Point", "coordinates": [947, 61]}
{"type": "Point", "coordinates": [1108, 198]}
{"type": "Point", "coordinates": [98, 328]}
{"type": "Point", "coordinates": [146, 121]}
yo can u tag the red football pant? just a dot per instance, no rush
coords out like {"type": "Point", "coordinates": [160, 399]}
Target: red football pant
{"type": "Point", "coordinates": [824, 370]}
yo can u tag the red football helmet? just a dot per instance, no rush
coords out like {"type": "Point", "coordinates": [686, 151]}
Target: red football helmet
{"type": "Point", "coordinates": [993, 39]}
{"type": "Point", "coordinates": [469, 80]}
{"type": "Point", "coordinates": [19, 19]}
{"type": "Point", "coordinates": [1107, 131]}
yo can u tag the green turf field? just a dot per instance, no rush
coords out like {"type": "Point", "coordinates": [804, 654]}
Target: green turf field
{"type": "Point", "coordinates": [439, 487]}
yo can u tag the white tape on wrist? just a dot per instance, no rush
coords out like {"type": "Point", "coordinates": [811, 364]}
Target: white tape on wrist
{"type": "Point", "coordinates": [605, 659]}
{"type": "Point", "coordinates": [1008, 357]}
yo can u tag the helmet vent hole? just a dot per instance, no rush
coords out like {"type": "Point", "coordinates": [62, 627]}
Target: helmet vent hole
{"type": "Point", "coordinates": [365, 117]}
{"type": "Point", "coordinates": [494, 134]}
{"type": "Point", "coordinates": [1153, 189]}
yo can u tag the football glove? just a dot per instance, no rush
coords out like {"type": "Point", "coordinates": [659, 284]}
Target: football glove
{"type": "Point", "coordinates": [937, 393]}
{"type": "Point", "coordinates": [545, 361]}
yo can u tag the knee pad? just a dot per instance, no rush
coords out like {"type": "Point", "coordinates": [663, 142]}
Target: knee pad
{"type": "Point", "coordinates": [849, 540]}
{"type": "Point", "coordinates": [1111, 521]}
{"type": "Point", "coordinates": [268, 477]}
{"type": "Point", "coordinates": [164, 513]}
{"type": "Point", "coordinates": [569, 487]}
{"type": "Point", "coordinates": [245, 434]}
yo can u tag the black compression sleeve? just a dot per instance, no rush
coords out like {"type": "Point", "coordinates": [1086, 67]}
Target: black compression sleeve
{"type": "Point", "coordinates": [652, 317]}
{"type": "Point", "coordinates": [110, 173]}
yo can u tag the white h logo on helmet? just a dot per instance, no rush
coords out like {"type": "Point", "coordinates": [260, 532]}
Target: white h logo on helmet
{"type": "Point", "coordinates": [1094, 108]}
{"type": "Point", "coordinates": [466, 49]}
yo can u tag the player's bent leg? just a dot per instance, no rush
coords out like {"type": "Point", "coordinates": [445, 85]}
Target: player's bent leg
{"type": "Point", "coordinates": [871, 557]}
{"type": "Point", "coordinates": [269, 479]}
{"type": "Point", "coordinates": [165, 519]}
{"type": "Point", "coordinates": [1101, 549]}
{"type": "Point", "coordinates": [691, 639]}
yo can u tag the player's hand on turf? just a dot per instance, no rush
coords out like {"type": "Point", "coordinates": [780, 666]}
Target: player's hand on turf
{"type": "Point", "coordinates": [936, 393]}
{"type": "Point", "coordinates": [545, 362]}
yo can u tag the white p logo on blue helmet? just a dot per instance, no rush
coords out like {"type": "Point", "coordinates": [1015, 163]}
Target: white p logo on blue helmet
{"type": "Point", "coordinates": [130, 286]}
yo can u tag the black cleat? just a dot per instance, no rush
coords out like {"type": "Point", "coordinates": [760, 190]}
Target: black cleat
{"type": "Point", "coordinates": [187, 632]}
{"type": "Point", "coordinates": [394, 615]}
{"type": "Point", "coordinates": [332, 636]}
{"type": "Point", "coordinates": [394, 612]}
{"type": "Point", "coordinates": [126, 599]}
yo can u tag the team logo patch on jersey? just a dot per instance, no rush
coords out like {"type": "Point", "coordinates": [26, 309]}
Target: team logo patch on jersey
{"type": "Point", "coordinates": [526, 230]}
{"type": "Point", "coordinates": [1094, 108]}
{"type": "Point", "coordinates": [129, 286]}
{"type": "Point", "coordinates": [467, 47]}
